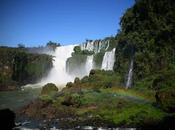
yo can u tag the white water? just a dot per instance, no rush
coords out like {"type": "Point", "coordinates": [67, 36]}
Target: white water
{"type": "Point", "coordinates": [130, 74]}
{"type": "Point", "coordinates": [108, 60]}
{"type": "Point", "coordinates": [89, 64]}
{"type": "Point", "coordinates": [95, 46]}
{"type": "Point", "coordinates": [58, 73]}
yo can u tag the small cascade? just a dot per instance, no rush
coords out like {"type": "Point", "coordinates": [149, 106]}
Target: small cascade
{"type": "Point", "coordinates": [108, 60]}
{"type": "Point", "coordinates": [58, 74]}
{"type": "Point", "coordinates": [130, 74]}
{"type": "Point", "coordinates": [89, 64]}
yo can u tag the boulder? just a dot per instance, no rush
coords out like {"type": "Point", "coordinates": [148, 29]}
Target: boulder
{"type": "Point", "coordinates": [49, 88]}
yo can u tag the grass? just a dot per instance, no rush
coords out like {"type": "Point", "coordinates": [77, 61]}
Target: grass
{"type": "Point", "coordinates": [116, 105]}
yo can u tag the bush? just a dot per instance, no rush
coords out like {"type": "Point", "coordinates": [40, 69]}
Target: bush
{"type": "Point", "coordinates": [76, 80]}
{"type": "Point", "coordinates": [85, 79]}
{"type": "Point", "coordinates": [92, 72]}
{"type": "Point", "coordinates": [69, 84]}
{"type": "Point", "coordinates": [48, 89]}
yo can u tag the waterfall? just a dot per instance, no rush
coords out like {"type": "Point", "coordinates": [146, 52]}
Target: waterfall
{"type": "Point", "coordinates": [108, 60]}
{"type": "Point", "coordinates": [89, 64]}
{"type": "Point", "coordinates": [58, 73]}
{"type": "Point", "coordinates": [130, 74]}
{"type": "Point", "coordinates": [95, 46]}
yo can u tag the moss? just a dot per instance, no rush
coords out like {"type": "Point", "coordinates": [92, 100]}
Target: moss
{"type": "Point", "coordinates": [48, 89]}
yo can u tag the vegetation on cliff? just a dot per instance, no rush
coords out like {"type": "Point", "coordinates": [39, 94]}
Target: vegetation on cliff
{"type": "Point", "coordinates": [147, 35]}
{"type": "Point", "coordinates": [18, 67]}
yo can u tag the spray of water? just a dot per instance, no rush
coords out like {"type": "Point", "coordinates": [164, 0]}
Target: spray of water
{"type": "Point", "coordinates": [58, 73]}
{"type": "Point", "coordinates": [108, 60]}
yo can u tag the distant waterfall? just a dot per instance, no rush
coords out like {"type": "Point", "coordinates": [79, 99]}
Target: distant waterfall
{"type": "Point", "coordinates": [130, 74]}
{"type": "Point", "coordinates": [58, 73]}
{"type": "Point", "coordinates": [95, 46]}
{"type": "Point", "coordinates": [89, 63]}
{"type": "Point", "coordinates": [108, 60]}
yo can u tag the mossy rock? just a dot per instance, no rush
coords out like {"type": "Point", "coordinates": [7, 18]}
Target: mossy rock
{"type": "Point", "coordinates": [48, 89]}
{"type": "Point", "coordinates": [69, 84]}
{"type": "Point", "coordinates": [166, 99]}
{"type": "Point", "coordinates": [77, 80]}
{"type": "Point", "coordinates": [85, 79]}
{"type": "Point", "coordinates": [92, 72]}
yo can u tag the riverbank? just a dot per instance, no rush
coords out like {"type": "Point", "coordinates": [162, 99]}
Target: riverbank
{"type": "Point", "coordinates": [107, 108]}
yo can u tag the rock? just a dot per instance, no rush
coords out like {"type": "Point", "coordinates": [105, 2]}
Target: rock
{"type": "Point", "coordinates": [92, 72]}
{"type": "Point", "coordinates": [77, 80]}
{"type": "Point", "coordinates": [7, 119]}
{"type": "Point", "coordinates": [49, 88]}
{"type": "Point", "coordinates": [85, 79]}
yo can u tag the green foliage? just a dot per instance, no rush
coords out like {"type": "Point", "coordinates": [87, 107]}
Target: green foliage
{"type": "Point", "coordinates": [112, 42]}
{"type": "Point", "coordinates": [73, 62]}
{"type": "Point", "coordinates": [97, 79]}
{"type": "Point", "coordinates": [21, 67]}
{"type": "Point", "coordinates": [78, 51]}
{"type": "Point", "coordinates": [76, 80]}
{"type": "Point", "coordinates": [53, 45]}
{"type": "Point", "coordinates": [48, 89]}
{"type": "Point", "coordinates": [147, 34]}
{"type": "Point", "coordinates": [98, 58]}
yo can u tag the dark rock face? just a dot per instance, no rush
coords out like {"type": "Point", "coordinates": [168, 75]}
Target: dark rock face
{"type": "Point", "coordinates": [7, 119]}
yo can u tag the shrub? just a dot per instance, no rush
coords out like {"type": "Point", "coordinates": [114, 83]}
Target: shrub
{"type": "Point", "coordinates": [69, 84]}
{"type": "Point", "coordinates": [76, 80]}
{"type": "Point", "coordinates": [48, 89]}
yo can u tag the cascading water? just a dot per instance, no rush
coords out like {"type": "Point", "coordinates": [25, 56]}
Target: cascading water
{"type": "Point", "coordinates": [95, 46]}
{"type": "Point", "coordinates": [89, 63]}
{"type": "Point", "coordinates": [108, 60]}
{"type": "Point", "coordinates": [58, 73]}
{"type": "Point", "coordinates": [130, 74]}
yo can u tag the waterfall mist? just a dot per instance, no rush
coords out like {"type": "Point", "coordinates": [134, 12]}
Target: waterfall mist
{"type": "Point", "coordinates": [58, 73]}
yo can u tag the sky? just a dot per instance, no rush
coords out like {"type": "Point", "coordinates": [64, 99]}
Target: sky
{"type": "Point", "coordinates": [35, 22]}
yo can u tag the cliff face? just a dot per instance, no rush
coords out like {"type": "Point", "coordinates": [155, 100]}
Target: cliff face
{"type": "Point", "coordinates": [147, 36]}
{"type": "Point", "coordinates": [89, 55]}
{"type": "Point", "coordinates": [18, 67]}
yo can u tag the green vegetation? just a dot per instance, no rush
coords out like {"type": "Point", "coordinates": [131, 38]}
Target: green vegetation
{"type": "Point", "coordinates": [73, 62]}
{"type": "Point", "coordinates": [78, 51]}
{"type": "Point", "coordinates": [147, 33]}
{"type": "Point", "coordinates": [48, 88]}
{"type": "Point", "coordinates": [18, 67]}
{"type": "Point", "coordinates": [52, 45]}
{"type": "Point", "coordinates": [100, 99]}
{"type": "Point", "coordinates": [98, 58]}
{"type": "Point", "coordinates": [105, 105]}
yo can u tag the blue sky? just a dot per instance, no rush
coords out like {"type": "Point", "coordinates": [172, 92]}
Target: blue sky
{"type": "Point", "coordinates": [35, 22]}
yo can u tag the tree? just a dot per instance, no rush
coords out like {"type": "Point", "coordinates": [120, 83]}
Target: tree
{"type": "Point", "coordinates": [52, 45]}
